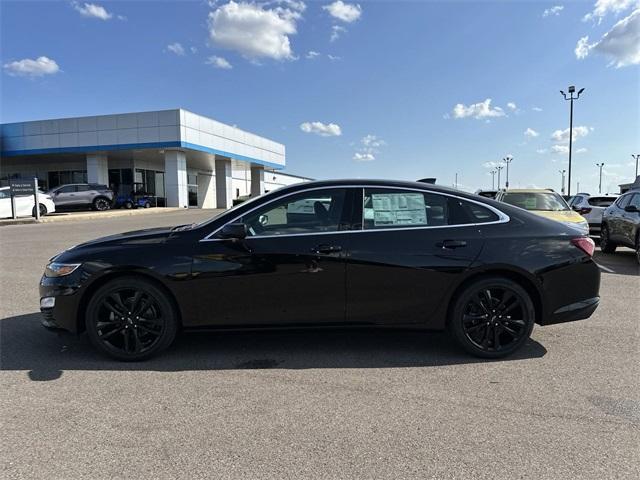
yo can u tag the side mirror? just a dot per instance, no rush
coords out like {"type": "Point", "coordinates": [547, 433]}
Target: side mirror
{"type": "Point", "coordinates": [234, 231]}
{"type": "Point", "coordinates": [631, 208]}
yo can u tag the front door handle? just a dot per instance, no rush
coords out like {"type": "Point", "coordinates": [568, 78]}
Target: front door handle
{"type": "Point", "coordinates": [451, 244]}
{"type": "Point", "coordinates": [326, 248]}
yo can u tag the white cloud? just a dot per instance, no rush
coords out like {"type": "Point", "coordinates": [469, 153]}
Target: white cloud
{"type": "Point", "coordinates": [536, 109]}
{"type": "Point", "coordinates": [477, 110]}
{"type": "Point", "coordinates": [541, 151]}
{"type": "Point", "coordinates": [345, 12]}
{"type": "Point", "coordinates": [621, 44]}
{"type": "Point", "coordinates": [364, 157]}
{"type": "Point", "coordinates": [219, 62]}
{"type": "Point", "coordinates": [564, 149]}
{"type": "Point", "coordinates": [603, 7]}
{"type": "Point", "coordinates": [336, 31]}
{"type": "Point", "coordinates": [491, 165]}
{"type": "Point", "coordinates": [372, 141]}
{"type": "Point", "coordinates": [322, 129]}
{"type": "Point", "coordinates": [254, 30]}
{"type": "Point", "coordinates": [512, 106]}
{"type": "Point", "coordinates": [333, 57]}
{"type": "Point", "coordinates": [578, 132]}
{"type": "Point", "coordinates": [531, 133]}
{"type": "Point", "coordinates": [555, 10]}
{"type": "Point", "coordinates": [176, 48]}
{"type": "Point", "coordinates": [93, 10]}
{"type": "Point", "coordinates": [28, 67]}
{"type": "Point", "coordinates": [369, 148]}
{"type": "Point", "coordinates": [311, 54]}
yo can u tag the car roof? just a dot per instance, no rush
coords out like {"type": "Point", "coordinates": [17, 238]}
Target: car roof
{"type": "Point", "coordinates": [529, 190]}
{"type": "Point", "coordinates": [359, 182]}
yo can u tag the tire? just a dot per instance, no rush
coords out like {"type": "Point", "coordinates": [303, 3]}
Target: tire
{"type": "Point", "coordinates": [101, 204]}
{"type": "Point", "coordinates": [131, 319]}
{"type": "Point", "coordinates": [484, 312]}
{"type": "Point", "coordinates": [147, 205]}
{"type": "Point", "coordinates": [606, 245]}
{"type": "Point", "coordinates": [638, 248]}
{"type": "Point", "coordinates": [128, 205]}
{"type": "Point", "coordinates": [43, 211]}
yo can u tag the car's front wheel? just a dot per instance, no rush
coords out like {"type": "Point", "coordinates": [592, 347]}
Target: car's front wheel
{"type": "Point", "coordinates": [43, 210]}
{"type": "Point", "coordinates": [130, 319]}
{"type": "Point", "coordinates": [606, 245]}
{"type": "Point", "coordinates": [492, 317]}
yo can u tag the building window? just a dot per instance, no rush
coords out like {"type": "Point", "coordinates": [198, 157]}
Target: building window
{"type": "Point", "coordinates": [66, 176]}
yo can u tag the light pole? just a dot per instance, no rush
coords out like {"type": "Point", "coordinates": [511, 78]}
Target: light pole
{"type": "Point", "coordinates": [493, 179]}
{"type": "Point", "coordinates": [636, 157]}
{"type": "Point", "coordinates": [456, 180]}
{"type": "Point", "coordinates": [498, 168]}
{"type": "Point", "coordinates": [571, 98]}
{"type": "Point", "coordinates": [600, 165]}
{"type": "Point", "coordinates": [562, 172]}
{"type": "Point", "coordinates": [508, 159]}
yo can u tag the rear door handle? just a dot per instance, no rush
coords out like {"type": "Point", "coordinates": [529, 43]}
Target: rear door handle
{"type": "Point", "coordinates": [451, 244]}
{"type": "Point", "coordinates": [326, 248]}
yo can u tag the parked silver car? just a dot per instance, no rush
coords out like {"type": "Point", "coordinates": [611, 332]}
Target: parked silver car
{"type": "Point", "coordinates": [592, 208]}
{"type": "Point", "coordinates": [76, 195]}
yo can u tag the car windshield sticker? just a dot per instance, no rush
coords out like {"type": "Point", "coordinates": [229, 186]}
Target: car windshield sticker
{"type": "Point", "coordinates": [398, 209]}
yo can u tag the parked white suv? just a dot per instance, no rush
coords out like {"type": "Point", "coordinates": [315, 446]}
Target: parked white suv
{"type": "Point", "coordinates": [592, 208]}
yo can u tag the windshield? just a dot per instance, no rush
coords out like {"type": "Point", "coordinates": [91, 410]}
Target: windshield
{"type": "Point", "coordinates": [547, 201]}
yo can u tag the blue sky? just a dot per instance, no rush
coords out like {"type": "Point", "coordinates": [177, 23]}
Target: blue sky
{"type": "Point", "coordinates": [406, 90]}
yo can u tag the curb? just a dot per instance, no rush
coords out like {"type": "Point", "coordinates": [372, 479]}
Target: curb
{"type": "Point", "coordinates": [89, 216]}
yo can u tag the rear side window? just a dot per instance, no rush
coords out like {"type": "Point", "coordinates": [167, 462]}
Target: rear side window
{"type": "Point", "coordinates": [82, 188]}
{"type": "Point", "coordinates": [623, 201]}
{"type": "Point", "coordinates": [391, 208]}
{"type": "Point", "coordinates": [67, 189]}
{"type": "Point", "coordinates": [601, 201]}
{"type": "Point", "coordinates": [635, 200]}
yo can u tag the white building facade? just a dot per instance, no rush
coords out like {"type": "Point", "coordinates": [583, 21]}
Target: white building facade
{"type": "Point", "coordinates": [184, 159]}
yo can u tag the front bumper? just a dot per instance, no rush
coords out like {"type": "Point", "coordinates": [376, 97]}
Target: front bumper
{"type": "Point", "coordinates": [66, 300]}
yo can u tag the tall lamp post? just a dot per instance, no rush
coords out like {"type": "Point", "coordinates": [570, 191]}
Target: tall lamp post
{"type": "Point", "coordinates": [562, 172]}
{"type": "Point", "coordinates": [493, 179]}
{"type": "Point", "coordinates": [571, 98]}
{"type": "Point", "coordinates": [636, 157]}
{"type": "Point", "coordinates": [600, 165]}
{"type": "Point", "coordinates": [508, 159]}
{"type": "Point", "coordinates": [498, 168]}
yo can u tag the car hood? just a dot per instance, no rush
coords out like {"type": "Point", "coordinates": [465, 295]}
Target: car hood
{"type": "Point", "coordinates": [565, 216]}
{"type": "Point", "coordinates": [135, 237]}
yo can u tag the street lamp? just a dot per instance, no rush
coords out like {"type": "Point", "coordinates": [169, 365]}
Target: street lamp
{"type": "Point", "coordinates": [562, 172]}
{"type": "Point", "coordinates": [600, 165]}
{"type": "Point", "coordinates": [493, 179]}
{"type": "Point", "coordinates": [636, 157]}
{"type": "Point", "coordinates": [508, 159]}
{"type": "Point", "coordinates": [571, 98]}
{"type": "Point", "coordinates": [498, 168]}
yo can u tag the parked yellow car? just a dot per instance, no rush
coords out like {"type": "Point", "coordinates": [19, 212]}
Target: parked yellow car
{"type": "Point", "coordinates": [546, 203]}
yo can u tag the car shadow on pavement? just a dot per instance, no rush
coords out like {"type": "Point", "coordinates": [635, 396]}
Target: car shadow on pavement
{"type": "Point", "coordinates": [622, 262]}
{"type": "Point", "coordinates": [25, 345]}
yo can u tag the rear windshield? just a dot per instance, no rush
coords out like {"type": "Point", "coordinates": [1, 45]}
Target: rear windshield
{"type": "Point", "coordinates": [601, 201]}
{"type": "Point", "coordinates": [547, 201]}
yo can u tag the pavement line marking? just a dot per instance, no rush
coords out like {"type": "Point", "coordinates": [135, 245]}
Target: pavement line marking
{"type": "Point", "coordinates": [606, 269]}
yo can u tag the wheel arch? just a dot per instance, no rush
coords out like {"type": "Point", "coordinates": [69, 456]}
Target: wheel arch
{"type": "Point", "coordinates": [521, 278]}
{"type": "Point", "coordinates": [113, 275]}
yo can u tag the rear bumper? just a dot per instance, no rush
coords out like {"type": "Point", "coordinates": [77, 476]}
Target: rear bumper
{"type": "Point", "coordinates": [574, 311]}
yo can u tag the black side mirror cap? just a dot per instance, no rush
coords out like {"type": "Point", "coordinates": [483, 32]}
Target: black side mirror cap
{"type": "Point", "coordinates": [234, 231]}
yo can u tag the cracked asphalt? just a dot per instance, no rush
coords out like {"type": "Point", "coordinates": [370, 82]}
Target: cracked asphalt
{"type": "Point", "coordinates": [319, 404]}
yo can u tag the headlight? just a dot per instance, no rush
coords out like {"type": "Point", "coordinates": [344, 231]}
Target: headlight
{"type": "Point", "coordinates": [55, 269]}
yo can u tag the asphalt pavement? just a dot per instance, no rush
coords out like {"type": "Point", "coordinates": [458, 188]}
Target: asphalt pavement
{"type": "Point", "coordinates": [321, 404]}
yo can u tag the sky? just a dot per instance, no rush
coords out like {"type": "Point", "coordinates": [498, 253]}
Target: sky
{"type": "Point", "coordinates": [368, 89]}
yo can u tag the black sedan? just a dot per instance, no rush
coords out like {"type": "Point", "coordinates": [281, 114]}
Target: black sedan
{"type": "Point", "coordinates": [331, 253]}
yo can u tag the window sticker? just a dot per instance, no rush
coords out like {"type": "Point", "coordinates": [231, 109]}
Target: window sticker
{"type": "Point", "coordinates": [398, 209]}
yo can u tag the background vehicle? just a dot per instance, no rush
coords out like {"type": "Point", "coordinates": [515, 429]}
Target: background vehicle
{"type": "Point", "coordinates": [487, 193]}
{"type": "Point", "coordinates": [545, 203]}
{"type": "Point", "coordinates": [367, 253]}
{"type": "Point", "coordinates": [621, 224]}
{"type": "Point", "coordinates": [591, 208]}
{"type": "Point", "coordinates": [24, 204]}
{"type": "Point", "coordinates": [137, 198]}
{"type": "Point", "coordinates": [82, 195]}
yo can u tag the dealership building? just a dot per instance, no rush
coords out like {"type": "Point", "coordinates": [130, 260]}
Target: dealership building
{"type": "Point", "coordinates": [184, 159]}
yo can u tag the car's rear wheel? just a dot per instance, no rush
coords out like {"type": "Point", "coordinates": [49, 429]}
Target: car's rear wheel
{"type": "Point", "coordinates": [606, 245]}
{"type": "Point", "coordinates": [147, 204]}
{"type": "Point", "coordinates": [492, 317]}
{"type": "Point", "coordinates": [128, 205]}
{"type": "Point", "coordinates": [43, 210]}
{"type": "Point", "coordinates": [638, 247]}
{"type": "Point", "coordinates": [101, 204]}
{"type": "Point", "coordinates": [130, 319]}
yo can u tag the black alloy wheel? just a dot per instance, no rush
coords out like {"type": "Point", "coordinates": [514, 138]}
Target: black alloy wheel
{"type": "Point", "coordinates": [492, 317]}
{"type": "Point", "coordinates": [606, 245]}
{"type": "Point", "coordinates": [128, 205]}
{"type": "Point", "coordinates": [131, 319]}
{"type": "Point", "coordinates": [101, 204]}
{"type": "Point", "coordinates": [43, 211]}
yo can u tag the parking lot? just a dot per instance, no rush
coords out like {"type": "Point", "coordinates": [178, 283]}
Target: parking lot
{"type": "Point", "coordinates": [328, 404]}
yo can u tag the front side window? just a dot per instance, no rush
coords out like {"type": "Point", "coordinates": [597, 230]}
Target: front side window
{"type": "Point", "coordinates": [635, 200]}
{"type": "Point", "coordinates": [546, 201]}
{"type": "Point", "coordinates": [314, 211]}
{"type": "Point", "coordinates": [392, 208]}
{"type": "Point", "coordinates": [623, 201]}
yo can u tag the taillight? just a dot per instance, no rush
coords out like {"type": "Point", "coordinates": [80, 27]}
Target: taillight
{"type": "Point", "coordinates": [585, 244]}
{"type": "Point", "coordinates": [584, 211]}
